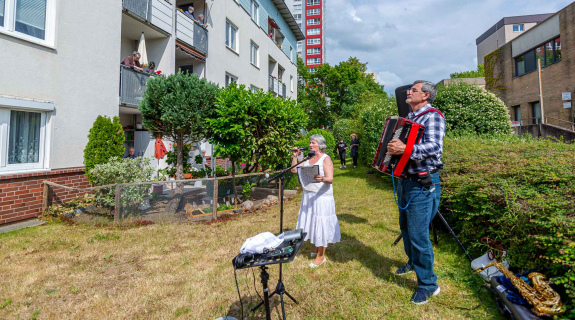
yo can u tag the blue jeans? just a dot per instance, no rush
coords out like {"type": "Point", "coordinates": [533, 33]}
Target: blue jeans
{"type": "Point", "coordinates": [414, 224]}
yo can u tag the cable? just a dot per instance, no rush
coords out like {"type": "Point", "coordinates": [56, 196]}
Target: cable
{"type": "Point", "coordinates": [255, 289]}
{"type": "Point", "coordinates": [408, 202]}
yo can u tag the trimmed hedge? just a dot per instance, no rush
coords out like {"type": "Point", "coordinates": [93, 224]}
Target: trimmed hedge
{"type": "Point", "coordinates": [519, 190]}
{"type": "Point", "coordinates": [373, 119]}
{"type": "Point", "coordinates": [330, 141]}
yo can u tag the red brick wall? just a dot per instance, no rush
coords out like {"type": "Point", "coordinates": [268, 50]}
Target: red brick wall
{"type": "Point", "coordinates": [21, 194]}
{"type": "Point", "coordinates": [219, 162]}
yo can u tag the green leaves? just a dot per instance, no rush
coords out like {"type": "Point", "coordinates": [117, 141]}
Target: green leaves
{"type": "Point", "coordinates": [105, 140]}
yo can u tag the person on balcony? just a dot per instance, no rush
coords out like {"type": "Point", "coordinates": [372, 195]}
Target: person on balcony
{"type": "Point", "coordinates": [131, 154]}
{"type": "Point", "coordinates": [133, 61]}
{"type": "Point", "coordinates": [190, 13]}
{"type": "Point", "coordinates": [201, 21]}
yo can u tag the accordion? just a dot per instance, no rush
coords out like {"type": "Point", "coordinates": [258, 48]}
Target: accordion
{"type": "Point", "coordinates": [408, 132]}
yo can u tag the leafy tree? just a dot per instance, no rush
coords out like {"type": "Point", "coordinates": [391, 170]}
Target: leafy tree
{"type": "Point", "coordinates": [343, 128]}
{"type": "Point", "coordinates": [105, 140]}
{"type": "Point", "coordinates": [254, 128]}
{"type": "Point", "coordinates": [176, 106]}
{"type": "Point", "coordinates": [469, 109]}
{"type": "Point", "coordinates": [373, 110]}
{"type": "Point", "coordinates": [479, 73]}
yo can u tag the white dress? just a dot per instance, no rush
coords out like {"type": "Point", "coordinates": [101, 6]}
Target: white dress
{"type": "Point", "coordinates": [317, 212]}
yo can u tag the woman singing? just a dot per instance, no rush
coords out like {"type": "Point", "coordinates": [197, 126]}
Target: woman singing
{"type": "Point", "coordinates": [317, 212]}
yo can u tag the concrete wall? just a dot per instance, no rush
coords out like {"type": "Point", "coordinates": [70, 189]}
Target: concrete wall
{"type": "Point", "coordinates": [221, 59]}
{"type": "Point", "coordinates": [498, 39]}
{"type": "Point", "coordinates": [80, 75]}
{"type": "Point", "coordinates": [546, 30]}
{"type": "Point", "coordinates": [546, 132]}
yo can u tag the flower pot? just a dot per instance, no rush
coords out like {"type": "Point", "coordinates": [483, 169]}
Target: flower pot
{"type": "Point", "coordinates": [187, 176]}
{"type": "Point", "coordinates": [158, 188]}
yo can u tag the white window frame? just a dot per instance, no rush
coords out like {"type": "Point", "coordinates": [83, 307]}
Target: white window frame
{"type": "Point", "coordinates": [229, 79]}
{"type": "Point", "coordinates": [291, 57]}
{"type": "Point", "coordinates": [313, 61]}
{"type": "Point", "coordinates": [311, 70]}
{"type": "Point", "coordinates": [312, 31]}
{"type": "Point", "coordinates": [520, 27]}
{"type": "Point", "coordinates": [312, 2]}
{"type": "Point", "coordinates": [254, 88]}
{"type": "Point", "coordinates": [311, 51]}
{"type": "Point", "coordinates": [9, 27]}
{"type": "Point", "coordinates": [313, 12]}
{"type": "Point", "coordinates": [312, 41]}
{"type": "Point", "coordinates": [234, 45]}
{"type": "Point", "coordinates": [44, 108]}
{"type": "Point", "coordinates": [297, 7]}
{"type": "Point", "coordinates": [255, 11]}
{"type": "Point", "coordinates": [291, 83]}
{"type": "Point", "coordinates": [313, 22]}
{"type": "Point", "coordinates": [254, 59]}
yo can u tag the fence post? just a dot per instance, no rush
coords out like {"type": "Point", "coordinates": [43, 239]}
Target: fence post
{"type": "Point", "coordinates": [117, 204]}
{"type": "Point", "coordinates": [45, 194]}
{"type": "Point", "coordinates": [215, 200]}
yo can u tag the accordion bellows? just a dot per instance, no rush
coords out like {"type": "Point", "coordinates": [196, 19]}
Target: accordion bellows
{"type": "Point", "coordinates": [408, 132]}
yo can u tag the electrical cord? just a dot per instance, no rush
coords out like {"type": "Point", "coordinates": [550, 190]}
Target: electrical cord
{"type": "Point", "coordinates": [255, 289]}
{"type": "Point", "coordinates": [408, 202]}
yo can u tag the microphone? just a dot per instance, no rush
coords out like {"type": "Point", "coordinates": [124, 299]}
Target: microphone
{"type": "Point", "coordinates": [310, 154]}
{"type": "Point", "coordinates": [301, 149]}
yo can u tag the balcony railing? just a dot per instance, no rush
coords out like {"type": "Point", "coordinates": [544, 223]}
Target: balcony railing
{"type": "Point", "coordinates": [156, 12]}
{"type": "Point", "coordinates": [283, 91]}
{"type": "Point", "coordinates": [277, 87]}
{"type": "Point", "coordinates": [191, 33]}
{"type": "Point", "coordinates": [132, 86]}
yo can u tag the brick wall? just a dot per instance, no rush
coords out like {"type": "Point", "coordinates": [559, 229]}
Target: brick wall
{"type": "Point", "coordinates": [219, 161]}
{"type": "Point", "coordinates": [559, 77]}
{"type": "Point", "coordinates": [21, 194]}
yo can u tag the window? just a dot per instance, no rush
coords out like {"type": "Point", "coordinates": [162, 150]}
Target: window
{"type": "Point", "coordinates": [311, 70]}
{"type": "Point", "coordinates": [32, 20]}
{"type": "Point", "coordinates": [548, 53]}
{"type": "Point", "coordinates": [255, 8]}
{"type": "Point", "coordinates": [313, 22]}
{"type": "Point", "coordinates": [297, 16]}
{"type": "Point", "coordinates": [314, 41]}
{"type": "Point", "coordinates": [312, 12]}
{"type": "Point", "coordinates": [291, 83]}
{"type": "Point", "coordinates": [299, 46]}
{"type": "Point", "coordinates": [297, 7]}
{"type": "Point", "coordinates": [22, 139]}
{"type": "Point", "coordinates": [230, 79]}
{"type": "Point", "coordinates": [187, 69]}
{"type": "Point", "coordinates": [313, 61]}
{"type": "Point", "coordinates": [312, 2]}
{"type": "Point", "coordinates": [291, 53]}
{"type": "Point", "coordinates": [314, 31]}
{"type": "Point", "coordinates": [231, 36]}
{"type": "Point", "coordinates": [314, 51]}
{"type": "Point", "coordinates": [517, 28]}
{"type": "Point", "coordinates": [536, 112]}
{"type": "Point", "coordinates": [254, 88]}
{"type": "Point", "coordinates": [517, 113]}
{"type": "Point", "coordinates": [254, 54]}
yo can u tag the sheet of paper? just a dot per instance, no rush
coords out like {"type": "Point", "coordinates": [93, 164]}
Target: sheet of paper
{"type": "Point", "coordinates": [306, 174]}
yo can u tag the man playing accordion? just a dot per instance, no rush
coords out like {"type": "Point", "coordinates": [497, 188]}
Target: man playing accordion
{"type": "Point", "coordinates": [420, 192]}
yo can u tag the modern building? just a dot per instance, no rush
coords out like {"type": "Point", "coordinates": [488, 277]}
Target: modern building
{"type": "Point", "coordinates": [61, 68]}
{"type": "Point", "coordinates": [504, 31]}
{"type": "Point", "coordinates": [311, 15]}
{"type": "Point", "coordinates": [512, 73]}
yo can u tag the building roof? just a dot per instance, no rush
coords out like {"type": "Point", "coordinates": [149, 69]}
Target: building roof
{"type": "Point", "coordinates": [289, 19]}
{"type": "Point", "coordinates": [513, 20]}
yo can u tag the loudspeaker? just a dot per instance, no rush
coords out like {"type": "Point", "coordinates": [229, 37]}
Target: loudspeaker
{"type": "Point", "coordinates": [403, 109]}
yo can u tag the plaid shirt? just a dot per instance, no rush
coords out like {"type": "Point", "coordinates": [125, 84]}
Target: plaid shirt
{"type": "Point", "coordinates": [426, 155]}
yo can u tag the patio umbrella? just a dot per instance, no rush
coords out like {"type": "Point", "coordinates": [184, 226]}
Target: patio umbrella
{"type": "Point", "coordinates": [142, 50]}
{"type": "Point", "coordinates": [159, 149]}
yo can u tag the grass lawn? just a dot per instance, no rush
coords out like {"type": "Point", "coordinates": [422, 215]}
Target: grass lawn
{"type": "Point", "coordinates": [184, 271]}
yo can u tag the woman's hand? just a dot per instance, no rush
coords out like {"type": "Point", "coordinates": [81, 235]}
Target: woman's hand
{"type": "Point", "coordinates": [319, 178]}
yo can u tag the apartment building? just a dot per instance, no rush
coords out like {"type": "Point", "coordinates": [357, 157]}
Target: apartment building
{"type": "Point", "coordinates": [532, 99]}
{"type": "Point", "coordinates": [62, 69]}
{"type": "Point", "coordinates": [310, 16]}
{"type": "Point", "coordinates": [505, 30]}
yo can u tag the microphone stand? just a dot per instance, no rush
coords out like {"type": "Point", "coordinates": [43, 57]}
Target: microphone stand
{"type": "Point", "coordinates": [280, 288]}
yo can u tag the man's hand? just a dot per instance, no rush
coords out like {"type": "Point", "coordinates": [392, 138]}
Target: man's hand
{"type": "Point", "coordinates": [395, 147]}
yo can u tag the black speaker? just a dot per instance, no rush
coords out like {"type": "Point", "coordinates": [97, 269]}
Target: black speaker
{"type": "Point", "coordinates": [403, 109]}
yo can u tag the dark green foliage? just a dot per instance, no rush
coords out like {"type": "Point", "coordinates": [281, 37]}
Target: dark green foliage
{"type": "Point", "coordinates": [469, 109]}
{"type": "Point", "coordinates": [479, 73]}
{"type": "Point", "coordinates": [329, 140]}
{"type": "Point", "coordinates": [518, 190]}
{"type": "Point", "coordinates": [255, 128]}
{"type": "Point", "coordinates": [343, 128]}
{"type": "Point", "coordinates": [105, 140]}
{"type": "Point", "coordinates": [374, 111]}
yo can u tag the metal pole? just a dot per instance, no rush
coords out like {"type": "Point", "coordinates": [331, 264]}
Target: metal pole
{"type": "Point", "coordinates": [540, 91]}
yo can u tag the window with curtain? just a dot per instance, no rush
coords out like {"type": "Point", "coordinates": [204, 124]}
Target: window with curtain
{"type": "Point", "coordinates": [2, 6]}
{"type": "Point", "coordinates": [31, 18]}
{"type": "Point", "coordinates": [24, 137]}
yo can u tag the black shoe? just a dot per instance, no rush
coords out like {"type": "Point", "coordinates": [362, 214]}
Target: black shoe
{"type": "Point", "coordinates": [404, 270]}
{"type": "Point", "coordinates": [421, 296]}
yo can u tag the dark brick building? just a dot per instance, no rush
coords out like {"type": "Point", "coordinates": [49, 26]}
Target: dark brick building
{"type": "Point", "coordinates": [511, 72]}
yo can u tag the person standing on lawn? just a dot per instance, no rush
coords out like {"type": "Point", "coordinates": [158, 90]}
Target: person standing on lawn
{"type": "Point", "coordinates": [354, 144]}
{"type": "Point", "coordinates": [418, 204]}
{"type": "Point", "coordinates": [341, 146]}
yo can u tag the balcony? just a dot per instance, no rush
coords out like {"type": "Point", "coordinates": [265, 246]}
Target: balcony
{"type": "Point", "coordinates": [191, 33]}
{"type": "Point", "coordinates": [132, 86]}
{"type": "Point", "coordinates": [158, 13]}
{"type": "Point", "coordinates": [277, 87]}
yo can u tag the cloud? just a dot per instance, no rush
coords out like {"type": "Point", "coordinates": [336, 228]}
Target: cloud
{"type": "Point", "coordinates": [389, 80]}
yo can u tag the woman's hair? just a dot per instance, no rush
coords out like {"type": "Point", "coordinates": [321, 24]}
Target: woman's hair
{"type": "Point", "coordinates": [320, 140]}
{"type": "Point", "coordinates": [353, 135]}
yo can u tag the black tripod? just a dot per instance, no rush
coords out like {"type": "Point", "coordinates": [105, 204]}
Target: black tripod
{"type": "Point", "coordinates": [280, 288]}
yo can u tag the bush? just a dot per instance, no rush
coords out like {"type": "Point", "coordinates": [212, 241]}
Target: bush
{"type": "Point", "coordinates": [329, 140]}
{"type": "Point", "coordinates": [119, 170]}
{"type": "Point", "coordinates": [518, 190]}
{"type": "Point", "coordinates": [105, 140]}
{"type": "Point", "coordinates": [372, 119]}
{"type": "Point", "coordinates": [469, 109]}
{"type": "Point", "coordinates": [343, 128]}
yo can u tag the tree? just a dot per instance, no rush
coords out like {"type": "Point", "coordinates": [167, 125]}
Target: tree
{"type": "Point", "coordinates": [176, 106]}
{"type": "Point", "coordinates": [254, 127]}
{"type": "Point", "coordinates": [479, 73]}
{"type": "Point", "coordinates": [105, 140]}
{"type": "Point", "coordinates": [469, 109]}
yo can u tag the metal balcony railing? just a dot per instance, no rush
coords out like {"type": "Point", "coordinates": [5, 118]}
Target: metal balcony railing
{"type": "Point", "coordinates": [191, 33]}
{"type": "Point", "coordinates": [283, 92]}
{"type": "Point", "coordinates": [139, 8]}
{"type": "Point", "coordinates": [273, 85]}
{"type": "Point", "coordinates": [200, 38]}
{"type": "Point", "coordinates": [156, 12]}
{"type": "Point", "coordinates": [132, 86]}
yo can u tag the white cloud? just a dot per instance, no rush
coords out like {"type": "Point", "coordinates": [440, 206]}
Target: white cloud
{"type": "Point", "coordinates": [389, 80]}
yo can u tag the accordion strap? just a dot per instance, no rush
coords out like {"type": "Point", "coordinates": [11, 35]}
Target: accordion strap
{"type": "Point", "coordinates": [430, 110]}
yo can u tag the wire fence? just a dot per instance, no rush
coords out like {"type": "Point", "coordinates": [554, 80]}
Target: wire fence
{"type": "Point", "coordinates": [174, 200]}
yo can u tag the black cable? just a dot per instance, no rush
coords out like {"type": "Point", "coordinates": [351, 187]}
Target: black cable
{"type": "Point", "coordinates": [255, 289]}
{"type": "Point", "coordinates": [239, 296]}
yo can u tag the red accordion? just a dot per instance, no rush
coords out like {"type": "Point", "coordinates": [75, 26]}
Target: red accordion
{"type": "Point", "coordinates": [408, 132]}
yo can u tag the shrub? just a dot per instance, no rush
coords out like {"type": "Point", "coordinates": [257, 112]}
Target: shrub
{"type": "Point", "coordinates": [329, 140]}
{"type": "Point", "coordinates": [372, 118]}
{"type": "Point", "coordinates": [519, 190]}
{"type": "Point", "coordinates": [469, 109]}
{"type": "Point", "coordinates": [105, 140]}
{"type": "Point", "coordinates": [122, 171]}
{"type": "Point", "coordinates": [343, 128]}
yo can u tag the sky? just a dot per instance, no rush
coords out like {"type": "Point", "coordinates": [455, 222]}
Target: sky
{"type": "Point", "coordinates": [407, 40]}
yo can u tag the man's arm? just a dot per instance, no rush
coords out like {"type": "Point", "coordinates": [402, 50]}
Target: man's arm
{"type": "Point", "coordinates": [432, 141]}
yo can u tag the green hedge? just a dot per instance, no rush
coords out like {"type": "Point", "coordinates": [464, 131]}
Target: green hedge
{"type": "Point", "coordinates": [343, 128]}
{"type": "Point", "coordinates": [328, 136]}
{"type": "Point", "coordinates": [519, 190]}
{"type": "Point", "coordinates": [373, 119]}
